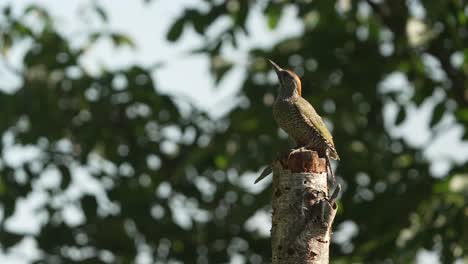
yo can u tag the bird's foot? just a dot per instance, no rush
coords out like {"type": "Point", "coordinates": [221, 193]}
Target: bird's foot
{"type": "Point", "coordinates": [294, 151]}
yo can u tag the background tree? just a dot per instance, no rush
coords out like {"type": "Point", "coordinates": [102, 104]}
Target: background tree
{"type": "Point", "coordinates": [130, 162]}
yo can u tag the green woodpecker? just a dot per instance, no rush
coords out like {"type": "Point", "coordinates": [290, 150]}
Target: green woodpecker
{"type": "Point", "coordinates": [299, 119]}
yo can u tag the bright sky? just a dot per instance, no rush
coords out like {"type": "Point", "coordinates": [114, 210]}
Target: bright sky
{"type": "Point", "coordinates": [188, 76]}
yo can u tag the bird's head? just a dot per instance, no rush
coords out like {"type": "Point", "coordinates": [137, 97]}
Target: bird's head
{"type": "Point", "coordinates": [289, 81]}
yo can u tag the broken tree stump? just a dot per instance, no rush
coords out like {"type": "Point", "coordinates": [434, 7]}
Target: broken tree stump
{"type": "Point", "coordinates": [303, 211]}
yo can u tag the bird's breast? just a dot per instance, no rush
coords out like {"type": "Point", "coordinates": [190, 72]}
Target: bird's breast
{"type": "Point", "coordinates": [289, 119]}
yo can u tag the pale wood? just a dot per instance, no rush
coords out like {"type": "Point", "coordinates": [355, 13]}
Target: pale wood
{"type": "Point", "coordinates": [303, 212]}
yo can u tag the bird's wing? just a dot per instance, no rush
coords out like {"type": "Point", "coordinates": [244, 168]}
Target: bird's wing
{"type": "Point", "coordinates": [314, 120]}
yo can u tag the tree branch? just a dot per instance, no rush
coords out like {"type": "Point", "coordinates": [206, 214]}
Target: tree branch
{"type": "Point", "coordinates": [394, 15]}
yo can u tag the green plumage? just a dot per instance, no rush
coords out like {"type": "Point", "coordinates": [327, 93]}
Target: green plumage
{"type": "Point", "coordinates": [298, 118]}
{"type": "Point", "coordinates": [315, 121]}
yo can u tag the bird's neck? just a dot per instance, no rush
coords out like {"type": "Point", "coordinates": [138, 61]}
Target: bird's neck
{"type": "Point", "coordinates": [288, 93]}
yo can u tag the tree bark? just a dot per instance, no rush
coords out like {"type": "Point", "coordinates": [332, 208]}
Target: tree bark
{"type": "Point", "coordinates": [303, 212]}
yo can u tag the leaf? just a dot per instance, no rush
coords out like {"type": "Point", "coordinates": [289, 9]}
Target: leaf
{"type": "Point", "coordinates": [437, 114]}
{"type": "Point", "coordinates": [465, 135]}
{"type": "Point", "coordinates": [198, 21]}
{"type": "Point", "coordinates": [35, 9]}
{"type": "Point", "coordinates": [102, 14]}
{"type": "Point", "coordinates": [66, 177]}
{"type": "Point", "coordinates": [10, 239]}
{"type": "Point", "coordinates": [462, 114]}
{"type": "Point", "coordinates": [221, 162]}
{"type": "Point", "coordinates": [273, 14]}
{"type": "Point", "coordinates": [2, 187]}
{"type": "Point", "coordinates": [221, 71]}
{"type": "Point", "coordinates": [121, 40]}
{"type": "Point", "coordinates": [176, 30]}
{"type": "Point", "coordinates": [6, 44]}
{"type": "Point", "coordinates": [94, 37]}
{"type": "Point", "coordinates": [241, 16]}
{"type": "Point", "coordinates": [233, 38]}
{"type": "Point", "coordinates": [401, 116]}
{"type": "Point", "coordinates": [7, 11]}
{"type": "Point", "coordinates": [200, 50]}
{"type": "Point", "coordinates": [217, 48]}
{"type": "Point", "coordinates": [442, 186]}
{"type": "Point", "coordinates": [22, 29]}
{"type": "Point", "coordinates": [89, 205]}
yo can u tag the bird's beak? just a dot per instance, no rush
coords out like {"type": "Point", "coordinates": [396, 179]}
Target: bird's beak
{"type": "Point", "coordinates": [275, 66]}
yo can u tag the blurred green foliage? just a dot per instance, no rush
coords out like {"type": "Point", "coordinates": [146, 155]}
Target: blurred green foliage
{"type": "Point", "coordinates": [116, 125]}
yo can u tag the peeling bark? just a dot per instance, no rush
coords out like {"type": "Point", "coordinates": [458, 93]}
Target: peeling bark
{"type": "Point", "coordinates": [303, 212]}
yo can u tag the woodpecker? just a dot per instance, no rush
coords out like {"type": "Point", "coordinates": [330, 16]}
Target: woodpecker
{"type": "Point", "coordinates": [299, 119]}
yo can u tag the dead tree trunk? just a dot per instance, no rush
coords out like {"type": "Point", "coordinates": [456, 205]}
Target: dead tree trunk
{"type": "Point", "coordinates": [303, 211]}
